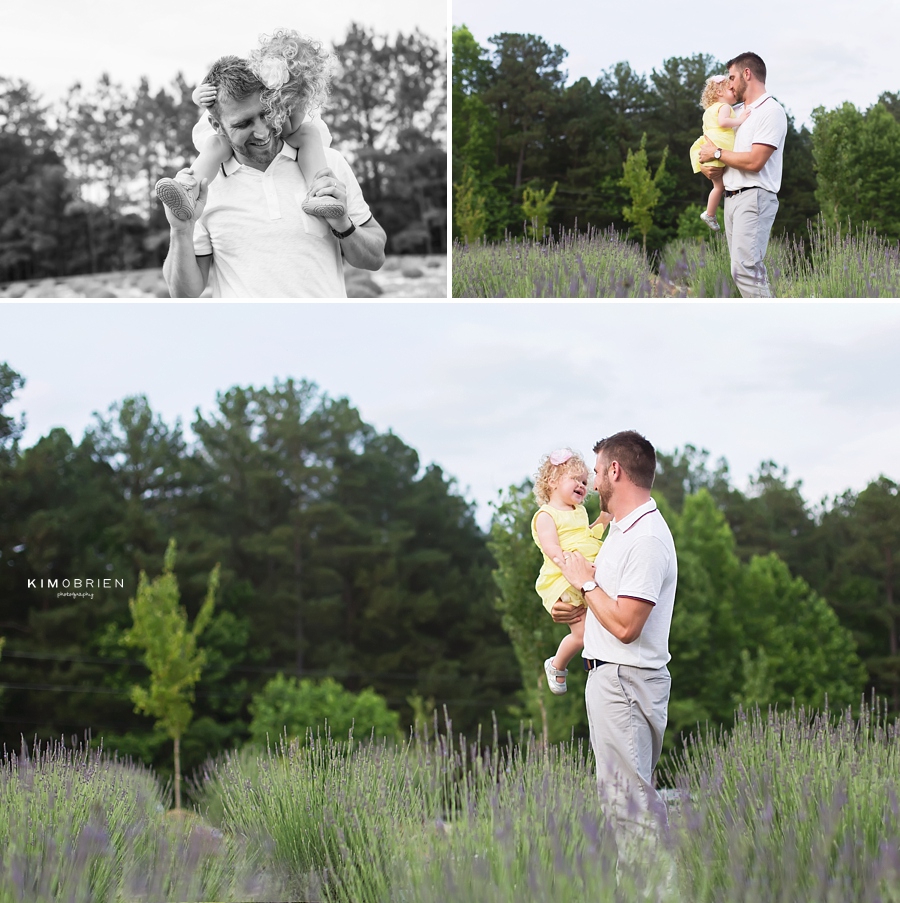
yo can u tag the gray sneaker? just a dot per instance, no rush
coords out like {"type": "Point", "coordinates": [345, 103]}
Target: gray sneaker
{"type": "Point", "coordinates": [176, 197]}
{"type": "Point", "coordinates": [710, 221]}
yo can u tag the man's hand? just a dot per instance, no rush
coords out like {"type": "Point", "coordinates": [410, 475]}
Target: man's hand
{"type": "Point", "coordinates": [566, 613]}
{"type": "Point", "coordinates": [187, 179]}
{"type": "Point", "coordinates": [575, 568]}
{"type": "Point", "coordinates": [327, 184]}
{"type": "Point", "coordinates": [707, 149]}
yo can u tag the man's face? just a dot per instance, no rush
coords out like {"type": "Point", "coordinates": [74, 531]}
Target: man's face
{"type": "Point", "coordinates": [243, 123]}
{"type": "Point", "coordinates": [737, 82]}
{"type": "Point", "coordinates": [602, 483]}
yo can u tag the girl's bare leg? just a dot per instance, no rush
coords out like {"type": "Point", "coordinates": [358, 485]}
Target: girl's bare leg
{"type": "Point", "coordinates": [569, 648]}
{"type": "Point", "coordinates": [311, 160]}
{"type": "Point", "coordinates": [180, 194]}
{"type": "Point", "coordinates": [215, 151]}
{"type": "Point", "coordinates": [715, 194]}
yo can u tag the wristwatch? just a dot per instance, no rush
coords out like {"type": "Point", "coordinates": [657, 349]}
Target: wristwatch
{"type": "Point", "coordinates": [718, 153]}
{"type": "Point", "coordinates": [587, 587]}
{"type": "Point", "coordinates": [350, 231]}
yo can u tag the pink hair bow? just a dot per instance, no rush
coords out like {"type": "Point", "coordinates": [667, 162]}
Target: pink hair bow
{"type": "Point", "coordinates": [717, 78]}
{"type": "Point", "coordinates": [560, 456]}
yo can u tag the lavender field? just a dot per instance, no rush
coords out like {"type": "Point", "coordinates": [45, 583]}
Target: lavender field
{"type": "Point", "coordinates": [786, 807]}
{"type": "Point", "coordinates": [596, 264]}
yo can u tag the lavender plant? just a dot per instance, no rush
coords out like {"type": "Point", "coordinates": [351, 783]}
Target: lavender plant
{"type": "Point", "coordinates": [791, 806]}
{"type": "Point", "coordinates": [833, 264]}
{"type": "Point", "coordinates": [591, 264]}
{"type": "Point", "coordinates": [78, 825]}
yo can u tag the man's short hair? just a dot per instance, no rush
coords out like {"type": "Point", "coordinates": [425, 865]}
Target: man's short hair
{"type": "Point", "coordinates": [634, 453]}
{"type": "Point", "coordinates": [751, 61]}
{"type": "Point", "coordinates": [234, 78]}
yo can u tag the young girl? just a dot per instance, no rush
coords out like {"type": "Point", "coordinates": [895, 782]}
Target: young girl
{"type": "Point", "coordinates": [561, 525]}
{"type": "Point", "coordinates": [296, 72]}
{"type": "Point", "coordinates": [719, 122]}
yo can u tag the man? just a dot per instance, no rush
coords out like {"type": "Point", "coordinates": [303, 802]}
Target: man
{"type": "Point", "coordinates": [630, 594]}
{"type": "Point", "coordinates": [752, 176]}
{"type": "Point", "coordinates": [247, 231]}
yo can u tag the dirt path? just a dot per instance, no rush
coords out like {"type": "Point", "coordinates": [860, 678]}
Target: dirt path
{"type": "Point", "coordinates": [400, 277]}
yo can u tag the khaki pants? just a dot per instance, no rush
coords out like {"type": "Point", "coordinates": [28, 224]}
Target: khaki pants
{"type": "Point", "coordinates": [748, 224]}
{"type": "Point", "coordinates": [627, 710]}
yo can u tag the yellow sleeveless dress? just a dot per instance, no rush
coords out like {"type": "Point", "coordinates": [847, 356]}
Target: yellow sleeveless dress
{"type": "Point", "coordinates": [575, 535]}
{"type": "Point", "coordinates": [723, 138]}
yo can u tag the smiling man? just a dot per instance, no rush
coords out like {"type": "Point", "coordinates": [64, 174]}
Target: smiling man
{"type": "Point", "coordinates": [629, 592]}
{"type": "Point", "coordinates": [248, 236]}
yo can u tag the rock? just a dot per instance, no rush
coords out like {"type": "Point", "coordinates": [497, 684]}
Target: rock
{"type": "Point", "coordinates": [431, 262]}
{"type": "Point", "coordinates": [412, 272]}
{"type": "Point", "coordinates": [364, 287]}
{"type": "Point", "coordinates": [16, 289]}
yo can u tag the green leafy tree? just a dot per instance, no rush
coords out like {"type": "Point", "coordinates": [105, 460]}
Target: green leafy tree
{"type": "Point", "coordinates": [160, 630]}
{"type": "Point", "coordinates": [468, 210]}
{"type": "Point", "coordinates": [643, 188]}
{"type": "Point", "coordinates": [857, 159]}
{"type": "Point", "coordinates": [861, 533]}
{"type": "Point", "coordinates": [10, 429]}
{"type": "Point", "coordinates": [291, 707]}
{"type": "Point", "coordinates": [536, 205]}
{"type": "Point", "coordinates": [812, 662]}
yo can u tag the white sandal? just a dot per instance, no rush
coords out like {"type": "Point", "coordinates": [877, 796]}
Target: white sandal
{"type": "Point", "coordinates": [552, 673]}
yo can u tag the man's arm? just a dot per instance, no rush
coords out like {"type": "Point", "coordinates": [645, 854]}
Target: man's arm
{"type": "Point", "coordinates": [365, 247]}
{"type": "Point", "coordinates": [624, 617]}
{"type": "Point", "coordinates": [748, 161]}
{"type": "Point", "coordinates": [184, 272]}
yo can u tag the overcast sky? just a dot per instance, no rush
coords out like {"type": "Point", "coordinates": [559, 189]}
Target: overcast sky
{"type": "Point", "coordinates": [53, 43]}
{"type": "Point", "coordinates": [485, 389]}
{"type": "Point", "coordinates": [816, 53]}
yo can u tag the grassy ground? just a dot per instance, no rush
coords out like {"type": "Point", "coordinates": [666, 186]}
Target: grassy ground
{"type": "Point", "coordinates": [412, 276]}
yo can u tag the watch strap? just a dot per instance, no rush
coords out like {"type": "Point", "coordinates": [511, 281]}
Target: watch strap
{"type": "Point", "coordinates": [349, 231]}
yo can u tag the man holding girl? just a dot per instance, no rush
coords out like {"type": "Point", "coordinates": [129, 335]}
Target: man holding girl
{"type": "Point", "coordinates": [752, 176]}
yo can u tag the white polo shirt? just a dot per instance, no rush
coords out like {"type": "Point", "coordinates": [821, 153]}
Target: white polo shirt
{"type": "Point", "coordinates": [262, 244]}
{"type": "Point", "coordinates": [637, 559]}
{"type": "Point", "coordinates": [767, 124]}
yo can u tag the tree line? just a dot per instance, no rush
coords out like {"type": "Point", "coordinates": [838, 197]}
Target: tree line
{"type": "Point", "coordinates": [341, 556]}
{"type": "Point", "coordinates": [77, 175]}
{"type": "Point", "coordinates": [519, 132]}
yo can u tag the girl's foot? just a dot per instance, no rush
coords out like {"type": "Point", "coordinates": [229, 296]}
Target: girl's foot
{"type": "Point", "coordinates": [324, 206]}
{"type": "Point", "coordinates": [710, 221]}
{"type": "Point", "coordinates": [557, 687]}
{"type": "Point", "coordinates": [176, 197]}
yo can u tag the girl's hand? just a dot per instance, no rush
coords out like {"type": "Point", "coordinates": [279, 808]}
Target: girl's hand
{"type": "Point", "coordinates": [744, 115]}
{"type": "Point", "coordinates": [605, 518]}
{"type": "Point", "coordinates": [205, 95]}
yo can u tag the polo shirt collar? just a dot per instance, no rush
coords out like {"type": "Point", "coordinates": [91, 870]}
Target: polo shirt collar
{"type": "Point", "coordinates": [758, 102]}
{"type": "Point", "coordinates": [232, 164]}
{"type": "Point", "coordinates": [633, 517]}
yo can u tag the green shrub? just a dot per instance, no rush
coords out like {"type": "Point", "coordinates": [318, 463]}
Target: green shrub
{"type": "Point", "coordinates": [292, 707]}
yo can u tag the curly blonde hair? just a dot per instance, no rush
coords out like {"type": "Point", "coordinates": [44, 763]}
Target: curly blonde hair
{"type": "Point", "coordinates": [549, 474]}
{"type": "Point", "coordinates": [710, 93]}
{"type": "Point", "coordinates": [310, 70]}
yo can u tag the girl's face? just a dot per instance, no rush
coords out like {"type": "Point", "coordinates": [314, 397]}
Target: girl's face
{"type": "Point", "coordinates": [726, 93]}
{"type": "Point", "coordinates": [570, 489]}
